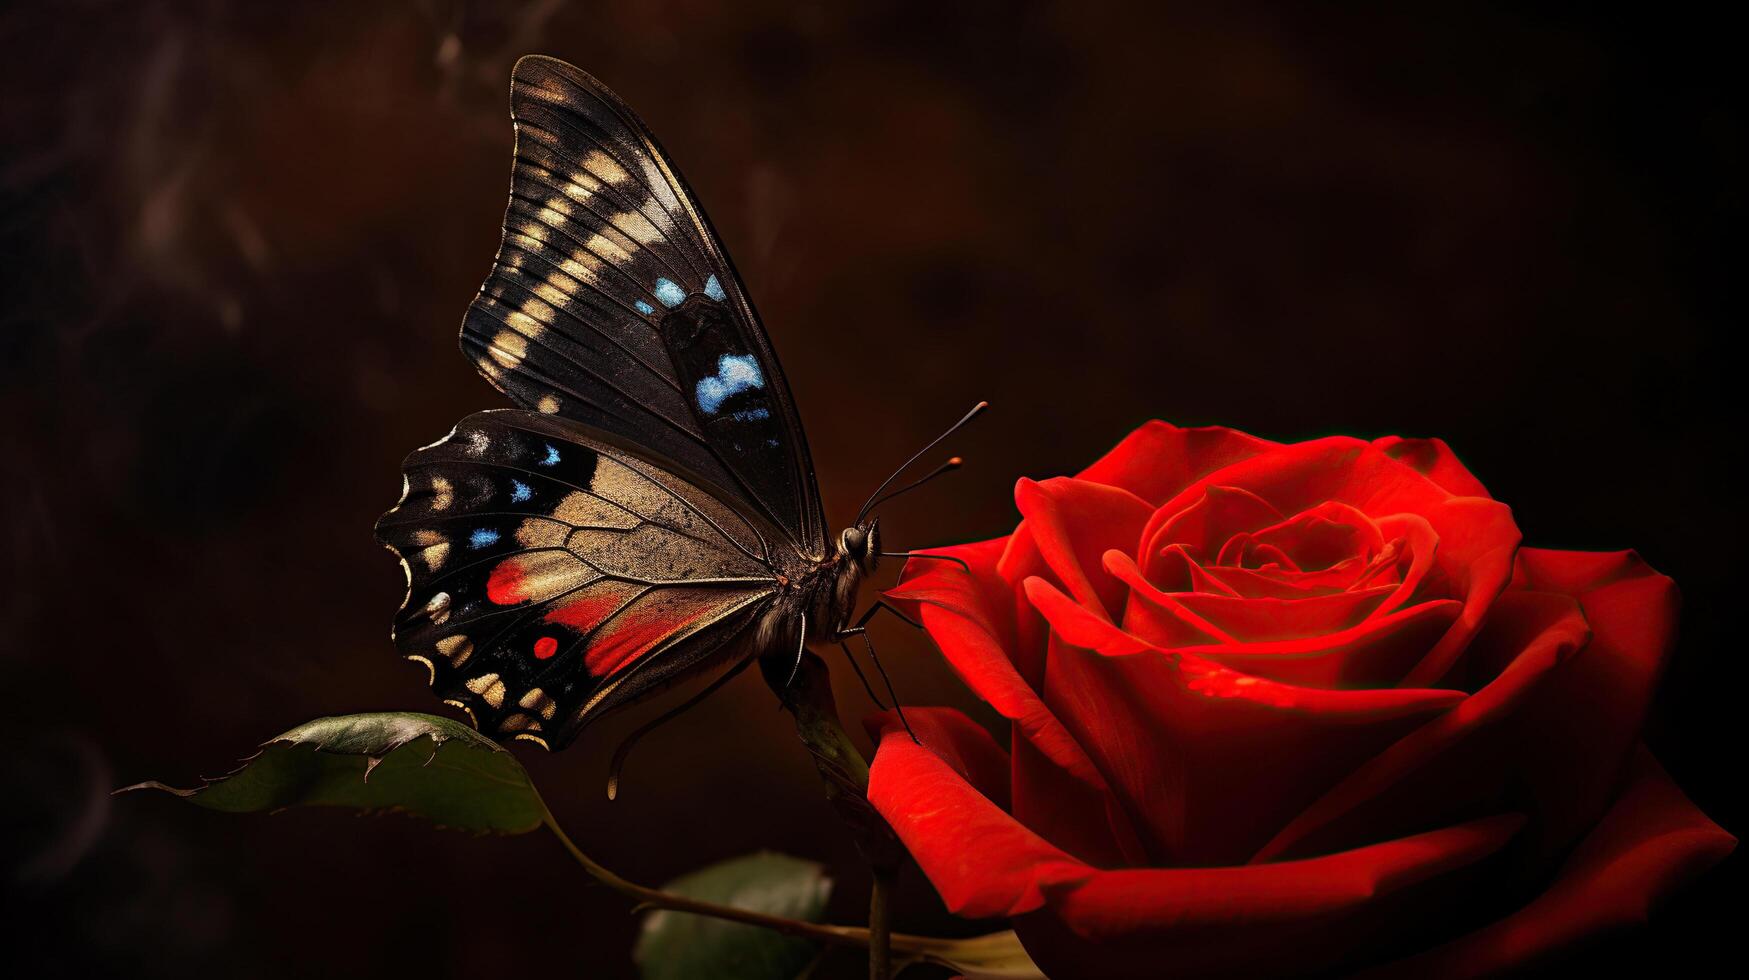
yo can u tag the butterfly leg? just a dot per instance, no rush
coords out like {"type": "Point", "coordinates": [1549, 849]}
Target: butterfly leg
{"type": "Point", "coordinates": [861, 629]}
{"type": "Point", "coordinates": [866, 686]}
{"type": "Point", "coordinates": [880, 604]}
{"type": "Point", "coordinates": [801, 649]}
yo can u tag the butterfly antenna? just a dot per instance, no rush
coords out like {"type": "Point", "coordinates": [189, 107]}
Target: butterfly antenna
{"type": "Point", "coordinates": [979, 407]}
{"type": "Point", "coordinates": [947, 467]}
{"type": "Point", "coordinates": [626, 744]}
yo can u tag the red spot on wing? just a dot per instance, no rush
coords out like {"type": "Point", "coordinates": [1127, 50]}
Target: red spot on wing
{"type": "Point", "coordinates": [504, 585]}
{"type": "Point", "coordinates": [651, 621]}
{"type": "Point", "coordinates": [545, 647]}
{"type": "Point", "coordinates": [588, 607]}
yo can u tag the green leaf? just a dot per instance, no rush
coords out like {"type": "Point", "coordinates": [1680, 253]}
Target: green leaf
{"type": "Point", "coordinates": [997, 956]}
{"type": "Point", "coordinates": [420, 764]}
{"type": "Point", "coordinates": [681, 946]}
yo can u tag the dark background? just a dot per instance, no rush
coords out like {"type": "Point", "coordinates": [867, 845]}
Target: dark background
{"type": "Point", "coordinates": [237, 242]}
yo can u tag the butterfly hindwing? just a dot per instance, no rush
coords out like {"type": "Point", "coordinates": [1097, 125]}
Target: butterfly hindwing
{"type": "Point", "coordinates": [611, 303]}
{"type": "Point", "coordinates": [553, 573]}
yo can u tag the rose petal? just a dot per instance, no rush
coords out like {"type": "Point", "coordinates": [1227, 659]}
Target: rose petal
{"type": "Point", "coordinates": [1178, 568]}
{"type": "Point", "coordinates": [956, 740]}
{"type": "Point", "coordinates": [981, 860]}
{"type": "Point", "coordinates": [1375, 653]}
{"type": "Point", "coordinates": [1074, 524]}
{"type": "Point", "coordinates": [1415, 543]}
{"type": "Point", "coordinates": [1434, 459]}
{"type": "Point", "coordinates": [1021, 560]}
{"type": "Point", "coordinates": [971, 618]}
{"type": "Point", "coordinates": [1295, 918]}
{"type": "Point", "coordinates": [1587, 719]}
{"type": "Point", "coordinates": [1276, 584]}
{"type": "Point", "coordinates": [1477, 538]}
{"type": "Point", "coordinates": [1209, 761]}
{"type": "Point", "coordinates": [1203, 525]}
{"type": "Point", "coordinates": [1268, 620]}
{"type": "Point", "coordinates": [1651, 843]}
{"type": "Point", "coordinates": [1323, 535]}
{"type": "Point", "coordinates": [1477, 541]}
{"type": "Point", "coordinates": [1159, 459]}
{"type": "Point", "coordinates": [1429, 775]}
{"type": "Point", "coordinates": [1155, 616]}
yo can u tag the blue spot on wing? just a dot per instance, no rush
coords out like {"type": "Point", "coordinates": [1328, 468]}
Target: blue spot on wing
{"type": "Point", "coordinates": [713, 289]}
{"type": "Point", "coordinates": [483, 537]}
{"type": "Point", "coordinates": [735, 373]}
{"type": "Point", "coordinates": [752, 415]}
{"type": "Point", "coordinates": [519, 492]}
{"type": "Point", "coordinates": [644, 308]}
{"type": "Point", "coordinates": [552, 457]}
{"type": "Point", "coordinates": [670, 294]}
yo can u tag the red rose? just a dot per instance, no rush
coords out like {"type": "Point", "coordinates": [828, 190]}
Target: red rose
{"type": "Point", "coordinates": [1290, 708]}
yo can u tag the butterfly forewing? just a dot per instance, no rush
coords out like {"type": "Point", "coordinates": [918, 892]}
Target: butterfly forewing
{"type": "Point", "coordinates": [554, 573]}
{"type": "Point", "coordinates": [611, 303]}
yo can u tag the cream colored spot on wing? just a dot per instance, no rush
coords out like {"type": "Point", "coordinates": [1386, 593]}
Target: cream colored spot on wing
{"type": "Point", "coordinates": [438, 608]}
{"type": "Point", "coordinates": [430, 669]}
{"type": "Point", "coordinates": [489, 687]}
{"type": "Point", "coordinates": [538, 532]}
{"type": "Point", "coordinates": [548, 404]}
{"type": "Point", "coordinates": [605, 167]}
{"type": "Point", "coordinates": [616, 481]}
{"type": "Point", "coordinates": [537, 700]}
{"type": "Point", "coordinates": [652, 553]}
{"type": "Point", "coordinates": [458, 649]}
{"type": "Point", "coordinates": [539, 576]}
{"type": "Point", "coordinates": [519, 723]}
{"type": "Point", "coordinates": [556, 212]}
{"type": "Point", "coordinates": [581, 188]}
{"type": "Point", "coordinates": [536, 310]}
{"type": "Point", "coordinates": [638, 227]}
{"type": "Point", "coordinates": [442, 493]}
{"type": "Point", "coordinates": [588, 510]}
{"type": "Point", "coordinates": [583, 266]}
{"type": "Point", "coordinates": [435, 555]}
{"type": "Point", "coordinates": [470, 712]}
{"type": "Point", "coordinates": [553, 292]}
{"type": "Point", "coordinates": [508, 348]}
{"type": "Point", "coordinates": [607, 248]}
{"type": "Point", "coordinates": [637, 493]}
{"type": "Point", "coordinates": [524, 324]}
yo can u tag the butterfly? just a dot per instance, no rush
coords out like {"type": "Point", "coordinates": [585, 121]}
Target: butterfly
{"type": "Point", "coordinates": [649, 512]}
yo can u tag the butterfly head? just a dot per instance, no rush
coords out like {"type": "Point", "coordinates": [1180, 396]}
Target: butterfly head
{"type": "Point", "coordinates": [861, 543]}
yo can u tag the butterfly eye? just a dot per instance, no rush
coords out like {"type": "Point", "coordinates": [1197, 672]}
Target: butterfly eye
{"type": "Point", "coordinates": [853, 542]}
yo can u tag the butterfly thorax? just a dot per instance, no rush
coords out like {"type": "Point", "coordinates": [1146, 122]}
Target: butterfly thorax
{"type": "Point", "coordinates": [831, 589]}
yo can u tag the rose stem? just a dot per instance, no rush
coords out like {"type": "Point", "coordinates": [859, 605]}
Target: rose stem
{"type": "Point", "coordinates": [806, 692]}
{"type": "Point", "coordinates": [852, 936]}
{"type": "Point", "coordinates": [880, 926]}
{"type": "Point", "coordinates": [941, 952]}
